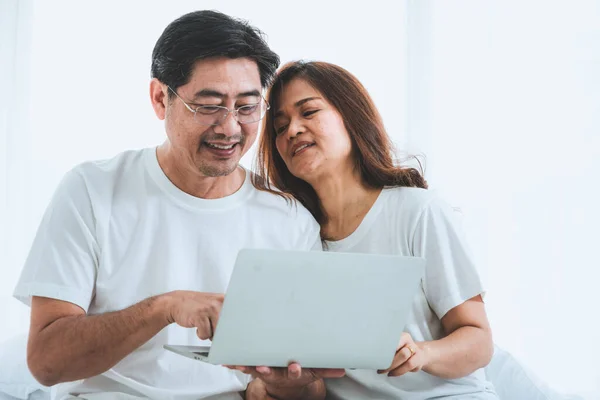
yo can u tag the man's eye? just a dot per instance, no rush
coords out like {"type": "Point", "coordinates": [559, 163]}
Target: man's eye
{"type": "Point", "coordinates": [208, 110]}
{"type": "Point", "coordinates": [248, 110]}
{"type": "Point", "coordinates": [309, 113]}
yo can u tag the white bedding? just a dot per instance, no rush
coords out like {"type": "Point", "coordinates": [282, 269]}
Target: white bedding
{"type": "Point", "coordinates": [511, 379]}
{"type": "Point", "coordinates": [38, 395]}
{"type": "Point", "coordinates": [16, 382]}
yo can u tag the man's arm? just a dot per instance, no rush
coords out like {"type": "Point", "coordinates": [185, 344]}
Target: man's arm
{"type": "Point", "coordinates": [67, 345]}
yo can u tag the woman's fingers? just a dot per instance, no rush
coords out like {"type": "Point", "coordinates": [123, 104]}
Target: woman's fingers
{"type": "Point", "coordinates": [404, 360]}
{"type": "Point", "coordinates": [409, 365]}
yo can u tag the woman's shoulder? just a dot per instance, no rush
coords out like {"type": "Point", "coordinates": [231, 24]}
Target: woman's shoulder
{"type": "Point", "coordinates": [410, 199]}
{"type": "Point", "coordinates": [414, 203]}
{"type": "Point", "coordinates": [410, 205]}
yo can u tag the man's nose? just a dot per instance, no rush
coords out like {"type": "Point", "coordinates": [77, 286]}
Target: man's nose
{"type": "Point", "coordinates": [230, 125]}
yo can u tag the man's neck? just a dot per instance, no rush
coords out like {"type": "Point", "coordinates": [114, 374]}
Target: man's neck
{"type": "Point", "coordinates": [345, 201]}
{"type": "Point", "coordinates": [193, 182]}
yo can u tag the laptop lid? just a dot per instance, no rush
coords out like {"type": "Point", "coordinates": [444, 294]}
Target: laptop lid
{"type": "Point", "coordinates": [321, 309]}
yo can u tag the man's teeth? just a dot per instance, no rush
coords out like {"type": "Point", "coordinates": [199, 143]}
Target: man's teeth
{"type": "Point", "coordinates": [221, 147]}
{"type": "Point", "coordinates": [302, 147]}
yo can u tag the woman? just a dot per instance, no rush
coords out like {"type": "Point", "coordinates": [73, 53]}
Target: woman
{"type": "Point", "coordinates": [324, 144]}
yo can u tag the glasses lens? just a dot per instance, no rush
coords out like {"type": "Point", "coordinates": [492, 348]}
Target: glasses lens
{"type": "Point", "coordinates": [215, 115]}
{"type": "Point", "coordinates": [210, 115]}
{"type": "Point", "coordinates": [251, 113]}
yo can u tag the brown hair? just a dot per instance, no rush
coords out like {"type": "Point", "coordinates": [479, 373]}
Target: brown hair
{"type": "Point", "coordinates": [371, 145]}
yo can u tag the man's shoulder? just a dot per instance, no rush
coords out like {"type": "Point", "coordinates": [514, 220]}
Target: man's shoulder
{"type": "Point", "coordinates": [98, 179]}
{"type": "Point", "coordinates": [126, 162]}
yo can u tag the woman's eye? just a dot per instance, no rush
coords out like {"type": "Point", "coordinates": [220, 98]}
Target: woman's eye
{"type": "Point", "coordinates": [281, 129]}
{"type": "Point", "coordinates": [309, 113]}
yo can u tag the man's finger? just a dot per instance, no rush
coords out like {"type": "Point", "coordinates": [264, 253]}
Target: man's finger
{"type": "Point", "coordinates": [294, 371]}
{"type": "Point", "coordinates": [264, 370]}
{"type": "Point", "coordinates": [330, 372]}
{"type": "Point", "coordinates": [242, 368]}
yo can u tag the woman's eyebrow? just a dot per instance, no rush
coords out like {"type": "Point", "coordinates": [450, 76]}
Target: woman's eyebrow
{"type": "Point", "coordinates": [298, 104]}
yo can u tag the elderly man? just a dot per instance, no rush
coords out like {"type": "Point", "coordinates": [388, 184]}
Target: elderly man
{"type": "Point", "coordinates": [133, 250]}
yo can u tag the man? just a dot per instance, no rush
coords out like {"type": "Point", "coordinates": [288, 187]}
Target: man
{"type": "Point", "coordinates": [133, 250]}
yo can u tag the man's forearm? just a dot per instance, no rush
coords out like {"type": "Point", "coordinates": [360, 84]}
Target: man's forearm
{"type": "Point", "coordinates": [313, 391]}
{"type": "Point", "coordinates": [78, 347]}
{"type": "Point", "coordinates": [460, 353]}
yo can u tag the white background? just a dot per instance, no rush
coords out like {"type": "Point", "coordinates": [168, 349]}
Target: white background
{"type": "Point", "coordinates": [503, 98]}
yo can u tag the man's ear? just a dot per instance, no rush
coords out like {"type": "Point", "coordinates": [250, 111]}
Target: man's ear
{"type": "Point", "coordinates": [159, 98]}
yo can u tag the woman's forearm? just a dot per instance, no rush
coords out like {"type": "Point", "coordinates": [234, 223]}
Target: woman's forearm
{"type": "Point", "coordinates": [459, 354]}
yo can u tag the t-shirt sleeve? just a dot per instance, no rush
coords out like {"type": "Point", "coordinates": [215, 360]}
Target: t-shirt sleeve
{"type": "Point", "coordinates": [451, 277]}
{"type": "Point", "coordinates": [63, 259]}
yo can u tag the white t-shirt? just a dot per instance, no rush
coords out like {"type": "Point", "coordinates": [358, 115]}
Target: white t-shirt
{"type": "Point", "coordinates": [414, 222]}
{"type": "Point", "coordinates": [118, 231]}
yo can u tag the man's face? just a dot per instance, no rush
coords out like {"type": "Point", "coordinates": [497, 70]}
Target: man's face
{"type": "Point", "coordinates": [214, 150]}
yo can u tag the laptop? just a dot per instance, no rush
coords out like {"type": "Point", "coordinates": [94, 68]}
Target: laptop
{"type": "Point", "coordinates": [320, 309]}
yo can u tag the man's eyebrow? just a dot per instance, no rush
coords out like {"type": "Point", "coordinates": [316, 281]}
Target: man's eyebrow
{"type": "Point", "coordinates": [216, 93]}
{"type": "Point", "coordinates": [297, 104]}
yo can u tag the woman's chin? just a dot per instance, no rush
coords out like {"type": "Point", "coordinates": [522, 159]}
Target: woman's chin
{"type": "Point", "coordinates": [311, 173]}
{"type": "Point", "coordinates": [305, 173]}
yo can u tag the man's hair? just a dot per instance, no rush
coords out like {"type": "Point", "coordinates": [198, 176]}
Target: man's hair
{"type": "Point", "coordinates": [205, 34]}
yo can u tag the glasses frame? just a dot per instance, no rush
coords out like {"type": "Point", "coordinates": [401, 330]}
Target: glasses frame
{"type": "Point", "coordinates": [233, 111]}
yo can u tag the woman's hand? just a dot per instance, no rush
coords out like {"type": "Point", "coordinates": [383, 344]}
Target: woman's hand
{"type": "Point", "coordinates": [410, 357]}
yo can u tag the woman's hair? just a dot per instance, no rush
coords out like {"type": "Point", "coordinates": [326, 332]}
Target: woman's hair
{"type": "Point", "coordinates": [372, 148]}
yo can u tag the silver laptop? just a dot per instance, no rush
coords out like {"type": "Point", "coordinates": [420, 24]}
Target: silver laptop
{"type": "Point", "coordinates": [320, 309]}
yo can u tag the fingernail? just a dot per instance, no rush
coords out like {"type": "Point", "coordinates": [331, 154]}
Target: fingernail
{"type": "Point", "coordinates": [264, 370]}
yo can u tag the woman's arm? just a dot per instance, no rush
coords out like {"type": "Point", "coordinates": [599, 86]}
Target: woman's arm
{"type": "Point", "coordinates": [466, 347]}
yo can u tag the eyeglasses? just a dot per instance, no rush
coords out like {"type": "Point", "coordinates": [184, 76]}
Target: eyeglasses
{"type": "Point", "coordinates": [216, 115]}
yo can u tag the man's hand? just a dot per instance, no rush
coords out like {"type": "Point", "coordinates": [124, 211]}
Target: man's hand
{"type": "Point", "coordinates": [291, 382]}
{"type": "Point", "coordinates": [195, 310]}
{"type": "Point", "coordinates": [257, 390]}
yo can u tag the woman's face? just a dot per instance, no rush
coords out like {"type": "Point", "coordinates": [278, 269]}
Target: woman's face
{"type": "Point", "coordinates": [311, 137]}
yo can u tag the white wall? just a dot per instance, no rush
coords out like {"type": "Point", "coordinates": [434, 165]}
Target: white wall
{"type": "Point", "coordinates": [504, 98]}
{"type": "Point", "coordinates": [15, 200]}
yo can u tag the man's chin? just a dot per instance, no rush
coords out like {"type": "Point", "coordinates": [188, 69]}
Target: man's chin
{"type": "Point", "coordinates": [215, 170]}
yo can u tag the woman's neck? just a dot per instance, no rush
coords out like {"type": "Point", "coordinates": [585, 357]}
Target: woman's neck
{"type": "Point", "coordinates": [345, 201]}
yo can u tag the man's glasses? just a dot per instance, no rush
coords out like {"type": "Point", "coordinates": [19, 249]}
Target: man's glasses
{"type": "Point", "coordinates": [216, 115]}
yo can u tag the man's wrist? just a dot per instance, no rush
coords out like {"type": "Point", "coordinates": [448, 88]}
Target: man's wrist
{"type": "Point", "coordinates": [161, 307]}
